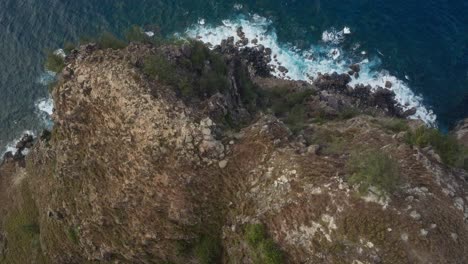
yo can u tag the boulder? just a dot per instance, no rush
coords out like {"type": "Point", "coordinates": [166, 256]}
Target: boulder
{"type": "Point", "coordinates": [388, 84]}
{"type": "Point", "coordinates": [355, 67]}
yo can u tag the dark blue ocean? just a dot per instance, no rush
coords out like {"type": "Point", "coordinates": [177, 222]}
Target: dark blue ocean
{"type": "Point", "coordinates": [421, 46]}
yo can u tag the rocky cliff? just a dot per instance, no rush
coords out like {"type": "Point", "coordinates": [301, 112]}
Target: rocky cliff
{"type": "Point", "coordinates": [177, 154]}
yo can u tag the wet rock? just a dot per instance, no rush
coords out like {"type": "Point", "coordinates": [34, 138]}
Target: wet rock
{"type": "Point", "coordinates": [355, 67]}
{"type": "Point", "coordinates": [245, 41]}
{"type": "Point", "coordinates": [25, 142]}
{"type": "Point", "coordinates": [8, 156]}
{"type": "Point", "coordinates": [334, 81]}
{"type": "Point", "coordinates": [268, 51]}
{"type": "Point", "coordinates": [388, 84]}
{"type": "Point", "coordinates": [409, 112]}
{"type": "Point", "coordinates": [356, 75]}
{"type": "Point", "coordinates": [240, 32]}
{"type": "Point", "coordinates": [45, 135]}
{"type": "Point", "coordinates": [282, 69]}
{"type": "Point", "coordinates": [254, 41]}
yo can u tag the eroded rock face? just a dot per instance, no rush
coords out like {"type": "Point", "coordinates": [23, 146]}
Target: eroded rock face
{"type": "Point", "coordinates": [132, 173]}
{"type": "Point", "coordinates": [461, 132]}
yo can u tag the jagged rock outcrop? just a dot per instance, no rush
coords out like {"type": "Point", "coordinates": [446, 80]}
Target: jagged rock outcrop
{"type": "Point", "coordinates": [134, 172]}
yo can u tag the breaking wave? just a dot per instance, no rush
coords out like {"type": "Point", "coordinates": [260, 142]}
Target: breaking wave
{"type": "Point", "coordinates": [326, 56]}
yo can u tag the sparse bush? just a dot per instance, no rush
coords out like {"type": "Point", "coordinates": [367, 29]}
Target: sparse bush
{"type": "Point", "coordinates": [54, 62]}
{"type": "Point", "coordinates": [212, 82]}
{"type": "Point", "coordinates": [68, 47]}
{"type": "Point", "coordinates": [348, 113]}
{"type": "Point", "coordinates": [296, 118]}
{"type": "Point", "coordinates": [289, 105]}
{"type": "Point", "coordinates": [395, 125]}
{"type": "Point", "coordinates": [159, 67]}
{"type": "Point", "coordinates": [136, 34]}
{"type": "Point", "coordinates": [450, 151]}
{"type": "Point", "coordinates": [72, 235]}
{"type": "Point", "coordinates": [264, 249]}
{"type": "Point", "coordinates": [108, 41]}
{"type": "Point", "coordinates": [208, 250]}
{"type": "Point", "coordinates": [373, 169]}
{"type": "Point", "coordinates": [200, 53]}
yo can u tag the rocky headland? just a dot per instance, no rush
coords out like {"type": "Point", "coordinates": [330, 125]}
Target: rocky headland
{"type": "Point", "coordinates": [175, 153]}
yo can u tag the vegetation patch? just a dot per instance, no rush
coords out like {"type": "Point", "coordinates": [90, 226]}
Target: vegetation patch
{"type": "Point", "coordinates": [263, 248]}
{"type": "Point", "coordinates": [394, 125]}
{"type": "Point", "coordinates": [289, 105]}
{"type": "Point", "coordinates": [54, 62]}
{"type": "Point", "coordinates": [373, 169]}
{"type": "Point", "coordinates": [72, 235]}
{"type": "Point", "coordinates": [208, 249]}
{"type": "Point", "coordinates": [23, 231]}
{"type": "Point", "coordinates": [108, 41]}
{"type": "Point", "coordinates": [450, 151]}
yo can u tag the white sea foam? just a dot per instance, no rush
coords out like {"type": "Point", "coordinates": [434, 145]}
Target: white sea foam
{"type": "Point", "coordinates": [44, 110]}
{"type": "Point", "coordinates": [335, 37]}
{"type": "Point", "coordinates": [11, 147]}
{"type": "Point", "coordinates": [60, 52]}
{"type": "Point", "coordinates": [238, 7]}
{"type": "Point", "coordinates": [45, 105]}
{"type": "Point", "coordinates": [149, 33]}
{"type": "Point", "coordinates": [320, 58]}
{"type": "Point", "coordinates": [46, 78]}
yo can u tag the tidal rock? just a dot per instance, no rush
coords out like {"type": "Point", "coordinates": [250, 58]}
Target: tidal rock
{"type": "Point", "coordinates": [355, 67]}
{"type": "Point", "coordinates": [282, 69]}
{"type": "Point", "coordinates": [409, 112]}
{"type": "Point", "coordinates": [388, 84]}
{"type": "Point", "coordinates": [25, 142]}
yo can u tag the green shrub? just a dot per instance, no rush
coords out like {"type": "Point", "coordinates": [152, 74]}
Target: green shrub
{"type": "Point", "coordinates": [394, 125]}
{"type": "Point", "coordinates": [208, 250]}
{"type": "Point", "coordinates": [108, 41]}
{"type": "Point", "coordinates": [373, 168]}
{"type": "Point", "coordinates": [255, 234]}
{"type": "Point", "coordinates": [212, 82]}
{"type": "Point", "coordinates": [450, 151]}
{"type": "Point", "coordinates": [264, 249]}
{"type": "Point", "coordinates": [348, 113]}
{"type": "Point", "coordinates": [72, 235]}
{"type": "Point", "coordinates": [136, 34]}
{"type": "Point", "coordinates": [54, 62]}
{"type": "Point", "coordinates": [200, 53]}
{"type": "Point", "coordinates": [159, 67]}
{"type": "Point", "coordinates": [296, 118]}
{"type": "Point", "coordinates": [68, 47]}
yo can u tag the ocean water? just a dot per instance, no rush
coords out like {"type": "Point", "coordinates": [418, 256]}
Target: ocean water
{"type": "Point", "coordinates": [420, 46]}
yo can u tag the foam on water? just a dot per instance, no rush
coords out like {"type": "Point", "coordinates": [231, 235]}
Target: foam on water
{"type": "Point", "coordinates": [46, 78]}
{"type": "Point", "coordinates": [11, 147]}
{"type": "Point", "coordinates": [325, 57]}
{"type": "Point", "coordinates": [44, 109]}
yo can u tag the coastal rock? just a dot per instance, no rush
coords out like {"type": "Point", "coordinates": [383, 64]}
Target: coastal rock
{"type": "Point", "coordinates": [355, 67]}
{"type": "Point", "coordinates": [140, 173]}
{"type": "Point", "coordinates": [461, 131]}
{"type": "Point", "coordinates": [388, 84]}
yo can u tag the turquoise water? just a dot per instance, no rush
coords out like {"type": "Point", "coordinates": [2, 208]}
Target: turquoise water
{"type": "Point", "coordinates": [422, 43]}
